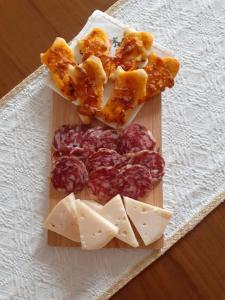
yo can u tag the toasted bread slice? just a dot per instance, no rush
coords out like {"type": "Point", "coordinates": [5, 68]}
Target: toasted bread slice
{"type": "Point", "coordinates": [134, 48]}
{"type": "Point", "coordinates": [95, 43]}
{"type": "Point", "coordinates": [57, 58]}
{"type": "Point", "coordinates": [129, 88]}
{"type": "Point", "coordinates": [161, 73]}
{"type": "Point", "coordinates": [88, 78]}
{"type": "Point", "coordinates": [172, 65]}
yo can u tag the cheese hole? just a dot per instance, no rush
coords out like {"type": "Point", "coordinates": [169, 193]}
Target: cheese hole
{"type": "Point", "coordinates": [144, 224]}
{"type": "Point", "coordinates": [99, 231]}
{"type": "Point", "coordinates": [94, 234]}
{"type": "Point", "coordinates": [53, 225]}
{"type": "Point", "coordinates": [116, 225]}
{"type": "Point", "coordinates": [123, 218]}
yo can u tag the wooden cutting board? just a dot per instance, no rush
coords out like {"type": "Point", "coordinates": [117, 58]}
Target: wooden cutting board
{"type": "Point", "coordinates": [150, 116]}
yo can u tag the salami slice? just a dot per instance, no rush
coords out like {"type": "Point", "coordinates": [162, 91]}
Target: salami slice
{"type": "Point", "coordinates": [99, 137]}
{"type": "Point", "coordinates": [151, 160]}
{"type": "Point", "coordinates": [134, 181]}
{"type": "Point", "coordinates": [55, 156]}
{"type": "Point", "coordinates": [68, 137]}
{"type": "Point", "coordinates": [103, 183]}
{"type": "Point", "coordinates": [109, 139]}
{"type": "Point", "coordinates": [136, 138]}
{"type": "Point", "coordinates": [79, 153]}
{"type": "Point", "coordinates": [103, 157]}
{"type": "Point", "coordinates": [90, 139]}
{"type": "Point", "coordinates": [124, 160]}
{"type": "Point", "coordinates": [76, 152]}
{"type": "Point", "coordinates": [69, 174]}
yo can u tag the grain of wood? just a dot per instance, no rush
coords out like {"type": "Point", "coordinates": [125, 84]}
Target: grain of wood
{"type": "Point", "coordinates": [176, 275]}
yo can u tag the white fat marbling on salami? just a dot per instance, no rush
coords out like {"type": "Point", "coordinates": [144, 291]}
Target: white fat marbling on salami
{"type": "Point", "coordinates": [134, 181]}
{"type": "Point", "coordinates": [67, 138]}
{"type": "Point", "coordinates": [151, 160]}
{"type": "Point", "coordinates": [103, 183]}
{"type": "Point", "coordinates": [69, 174]}
{"type": "Point", "coordinates": [100, 137]}
{"type": "Point", "coordinates": [109, 139]}
{"type": "Point", "coordinates": [103, 157]}
{"type": "Point", "coordinates": [135, 138]}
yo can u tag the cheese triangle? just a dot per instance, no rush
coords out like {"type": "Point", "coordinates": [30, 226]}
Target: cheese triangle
{"type": "Point", "coordinates": [63, 219]}
{"type": "Point", "coordinates": [94, 205]}
{"type": "Point", "coordinates": [114, 212]}
{"type": "Point", "coordinates": [150, 221]}
{"type": "Point", "coordinates": [95, 231]}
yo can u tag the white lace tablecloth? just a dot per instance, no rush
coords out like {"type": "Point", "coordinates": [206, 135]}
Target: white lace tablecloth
{"type": "Point", "coordinates": [193, 146]}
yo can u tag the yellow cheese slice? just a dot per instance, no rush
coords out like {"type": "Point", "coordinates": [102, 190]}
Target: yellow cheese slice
{"type": "Point", "coordinates": [95, 231]}
{"type": "Point", "coordinates": [114, 212]}
{"type": "Point", "coordinates": [63, 219]}
{"type": "Point", "coordinates": [150, 221]}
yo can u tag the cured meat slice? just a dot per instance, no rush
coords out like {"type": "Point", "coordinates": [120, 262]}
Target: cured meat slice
{"type": "Point", "coordinates": [79, 153]}
{"type": "Point", "coordinates": [109, 139]}
{"type": "Point", "coordinates": [90, 139]}
{"type": "Point", "coordinates": [76, 152]}
{"type": "Point", "coordinates": [135, 138]}
{"type": "Point", "coordinates": [151, 160]}
{"type": "Point", "coordinates": [124, 160]}
{"type": "Point", "coordinates": [55, 156]}
{"type": "Point", "coordinates": [134, 181]}
{"type": "Point", "coordinates": [103, 157]}
{"type": "Point", "coordinates": [103, 183]}
{"type": "Point", "coordinates": [99, 137]}
{"type": "Point", "coordinates": [69, 174]}
{"type": "Point", "coordinates": [68, 137]}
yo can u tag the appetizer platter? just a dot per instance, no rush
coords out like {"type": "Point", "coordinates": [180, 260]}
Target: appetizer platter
{"type": "Point", "coordinates": [106, 160]}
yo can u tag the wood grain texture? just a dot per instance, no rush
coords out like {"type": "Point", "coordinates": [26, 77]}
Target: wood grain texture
{"type": "Point", "coordinates": [194, 269]}
{"type": "Point", "coordinates": [150, 116]}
